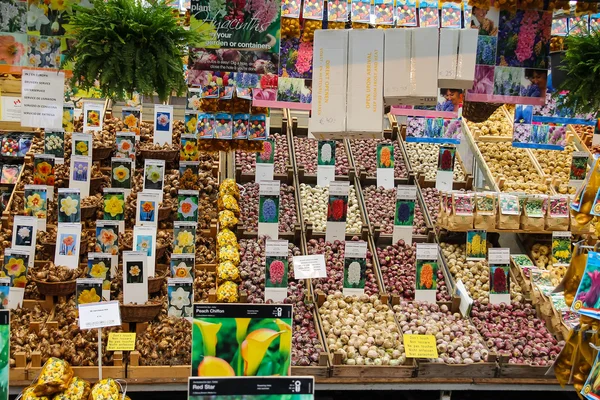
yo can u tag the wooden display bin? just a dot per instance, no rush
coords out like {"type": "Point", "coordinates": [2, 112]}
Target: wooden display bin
{"type": "Point", "coordinates": [507, 370]}
{"type": "Point", "coordinates": [427, 369]}
{"type": "Point", "coordinates": [339, 370]}
{"type": "Point", "coordinates": [19, 372]}
{"type": "Point", "coordinates": [176, 373]}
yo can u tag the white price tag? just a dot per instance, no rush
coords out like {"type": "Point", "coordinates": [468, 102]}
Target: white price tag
{"type": "Point", "coordinates": [307, 267]}
{"type": "Point", "coordinates": [427, 251]}
{"type": "Point", "coordinates": [99, 315]}
{"type": "Point", "coordinates": [339, 188]}
{"type": "Point", "coordinates": [499, 256]}
{"type": "Point", "coordinates": [406, 193]}
{"type": "Point", "coordinates": [355, 250]}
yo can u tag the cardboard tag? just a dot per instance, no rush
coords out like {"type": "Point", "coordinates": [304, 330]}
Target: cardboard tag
{"type": "Point", "coordinates": [420, 346]}
{"type": "Point", "coordinates": [499, 264]}
{"type": "Point", "coordinates": [268, 209]}
{"type": "Point", "coordinates": [355, 268]}
{"type": "Point", "coordinates": [404, 214]}
{"type": "Point", "coordinates": [337, 211]}
{"type": "Point", "coordinates": [325, 162]}
{"type": "Point", "coordinates": [99, 315]}
{"type": "Point", "coordinates": [307, 267]}
{"type": "Point", "coordinates": [385, 165]}
{"type": "Point", "coordinates": [445, 170]}
{"type": "Point", "coordinates": [276, 274]}
{"type": "Point", "coordinates": [121, 341]}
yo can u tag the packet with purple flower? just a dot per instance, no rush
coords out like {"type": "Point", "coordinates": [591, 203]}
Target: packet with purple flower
{"type": "Point", "coordinates": [451, 15]}
{"type": "Point", "coordinates": [223, 126]}
{"type": "Point", "coordinates": [258, 128]}
{"type": "Point", "coordinates": [428, 14]}
{"type": "Point", "coordinates": [205, 126]}
{"type": "Point", "coordinates": [240, 126]}
{"type": "Point", "coordinates": [407, 12]}
{"type": "Point", "coordinates": [384, 12]}
{"type": "Point", "coordinates": [361, 11]}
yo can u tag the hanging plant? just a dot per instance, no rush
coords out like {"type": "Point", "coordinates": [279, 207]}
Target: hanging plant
{"type": "Point", "coordinates": [127, 46]}
{"type": "Point", "coordinates": [581, 63]}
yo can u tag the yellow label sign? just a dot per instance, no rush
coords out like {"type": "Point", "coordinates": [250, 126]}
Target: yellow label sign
{"type": "Point", "coordinates": [121, 341]}
{"type": "Point", "coordinates": [420, 346]}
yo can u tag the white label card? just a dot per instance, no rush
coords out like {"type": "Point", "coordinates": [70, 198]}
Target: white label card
{"type": "Point", "coordinates": [466, 302]}
{"type": "Point", "coordinates": [427, 251]}
{"type": "Point", "coordinates": [163, 124]}
{"type": "Point", "coordinates": [498, 256]}
{"type": "Point", "coordinates": [406, 193]}
{"type": "Point", "coordinates": [99, 315]}
{"type": "Point", "coordinates": [68, 243]}
{"type": "Point", "coordinates": [42, 98]}
{"type": "Point", "coordinates": [308, 267]}
{"type": "Point", "coordinates": [264, 172]}
{"type": "Point", "coordinates": [339, 188]}
{"type": "Point", "coordinates": [355, 249]}
{"type": "Point", "coordinates": [24, 235]}
{"type": "Point", "coordinates": [135, 277]}
{"type": "Point", "coordinates": [92, 116]}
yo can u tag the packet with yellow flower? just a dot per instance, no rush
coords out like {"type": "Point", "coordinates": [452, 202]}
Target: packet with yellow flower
{"type": "Point", "coordinates": [228, 202]}
{"type": "Point", "coordinates": [78, 389]}
{"type": "Point", "coordinates": [226, 271]}
{"type": "Point", "coordinates": [54, 377]}
{"type": "Point", "coordinates": [229, 253]}
{"type": "Point", "coordinates": [228, 186]}
{"type": "Point", "coordinates": [226, 238]}
{"type": "Point", "coordinates": [28, 394]}
{"type": "Point", "coordinates": [227, 219]}
{"type": "Point", "coordinates": [106, 389]}
{"type": "Point", "coordinates": [227, 293]}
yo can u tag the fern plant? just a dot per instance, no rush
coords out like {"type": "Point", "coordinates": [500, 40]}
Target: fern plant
{"type": "Point", "coordinates": [128, 46]}
{"type": "Point", "coordinates": [581, 62]}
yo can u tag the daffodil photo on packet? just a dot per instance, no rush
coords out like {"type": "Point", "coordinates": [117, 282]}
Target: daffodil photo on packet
{"type": "Point", "coordinates": [241, 339]}
{"type": "Point", "coordinates": [182, 265]}
{"type": "Point", "coordinates": [69, 205]}
{"type": "Point", "coordinates": [180, 297]}
{"type": "Point", "coordinates": [154, 174]}
{"type": "Point", "coordinates": [88, 291]}
{"type": "Point", "coordinates": [121, 173]}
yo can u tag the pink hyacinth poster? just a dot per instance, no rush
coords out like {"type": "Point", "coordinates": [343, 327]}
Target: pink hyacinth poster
{"type": "Point", "coordinates": [512, 56]}
{"type": "Point", "coordinates": [237, 36]}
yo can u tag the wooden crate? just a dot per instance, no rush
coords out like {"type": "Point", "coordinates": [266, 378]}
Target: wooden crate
{"type": "Point", "coordinates": [322, 370]}
{"type": "Point", "coordinates": [19, 371]}
{"type": "Point", "coordinates": [507, 370]}
{"type": "Point", "coordinates": [338, 370]}
{"type": "Point", "coordinates": [428, 369]}
{"type": "Point", "coordinates": [177, 373]}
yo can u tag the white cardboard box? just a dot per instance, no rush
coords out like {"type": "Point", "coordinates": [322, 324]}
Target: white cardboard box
{"type": "Point", "coordinates": [396, 64]}
{"type": "Point", "coordinates": [364, 117]}
{"type": "Point", "coordinates": [467, 54]}
{"type": "Point", "coordinates": [330, 72]}
{"type": "Point", "coordinates": [425, 44]}
{"type": "Point", "coordinates": [448, 57]}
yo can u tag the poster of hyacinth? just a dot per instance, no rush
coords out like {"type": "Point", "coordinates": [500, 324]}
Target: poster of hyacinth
{"type": "Point", "coordinates": [554, 111]}
{"type": "Point", "coordinates": [250, 388]}
{"type": "Point", "coordinates": [512, 59]}
{"type": "Point", "coordinates": [236, 36]}
{"type": "Point", "coordinates": [433, 130]}
{"type": "Point", "coordinates": [536, 135]}
{"type": "Point", "coordinates": [587, 298]}
{"type": "Point", "coordinates": [241, 340]}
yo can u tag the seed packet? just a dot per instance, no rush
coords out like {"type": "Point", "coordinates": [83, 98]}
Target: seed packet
{"type": "Point", "coordinates": [190, 121]}
{"type": "Point", "coordinates": [205, 126]}
{"type": "Point", "coordinates": [24, 145]}
{"type": "Point", "coordinates": [290, 8]}
{"type": "Point", "coordinates": [361, 11]}
{"type": "Point", "coordinates": [258, 129]}
{"type": "Point", "coordinates": [534, 212]}
{"type": "Point", "coordinates": [384, 12]}
{"type": "Point", "coordinates": [240, 126]}
{"type": "Point", "coordinates": [451, 15]}
{"type": "Point", "coordinates": [428, 14]}
{"type": "Point", "coordinates": [223, 126]}
{"type": "Point", "coordinates": [313, 9]}
{"type": "Point", "coordinates": [10, 146]}
{"type": "Point", "coordinates": [485, 211]}
{"type": "Point", "coordinates": [407, 12]}
{"type": "Point", "coordinates": [226, 93]}
{"type": "Point", "coordinates": [558, 214]}
{"type": "Point", "coordinates": [10, 173]}
{"type": "Point", "coordinates": [510, 211]}
{"type": "Point", "coordinates": [462, 211]}
{"type": "Point", "coordinates": [337, 10]}
{"type": "Point", "coordinates": [210, 92]}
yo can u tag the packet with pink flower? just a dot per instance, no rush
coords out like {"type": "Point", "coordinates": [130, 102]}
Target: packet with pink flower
{"type": "Point", "coordinates": [240, 126]}
{"type": "Point", "coordinates": [223, 126]}
{"type": "Point", "coordinates": [205, 126]}
{"type": "Point", "coordinates": [226, 93]}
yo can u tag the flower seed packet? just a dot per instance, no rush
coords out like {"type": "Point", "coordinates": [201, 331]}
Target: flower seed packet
{"type": "Point", "coordinates": [268, 209]}
{"type": "Point", "coordinates": [81, 169]}
{"type": "Point", "coordinates": [113, 206]}
{"type": "Point", "coordinates": [428, 14]}
{"type": "Point", "coordinates": [476, 245]}
{"type": "Point", "coordinates": [561, 248]}
{"type": "Point", "coordinates": [16, 264]}
{"type": "Point", "coordinates": [69, 205]}
{"type": "Point", "coordinates": [184, 237]}
{"type": "Point", "coordinates": [107, 237]}
{"type": "Point", "coordinates": [4, 296]}
{"type": "Point", "coordinates": [36, 203]}
{"type": "Point", "coordinates": [190, 120]}
{"type": "Point", "coordinates": [163, 124]}
{"type": "Point", "coordinates": [451, 15]}
{"type": "Point", "coordinates": [205, 126]}
{"type": "Point", "coordinates": [92, 116]}
{"type": "Point", "coordinates": [54, 143]}
{"type": "Point", "coordinates": [144, 240]}
{"type": "Point", "coordinates": [187, 205]}
{"type": "Point", "coordinates": [125, 142]}
{"type": "Point", "coordinates": [194, 99]}
{"type": "Point", "coordinates": [210, 92]}
{"type": "Point", "coordinates": [223, 126]}
{"type": "Point", "coordinates": [384, 12]}
{"type": "Point", "coordinates": [355, 268]}
{"type": "Point", "coordinates": [277, 268]}
{"type": "Point", "coordinates": [240, 126]}
{"type": "Point", "coordinates": [189, 148]}
{"type": "Point", "coordinates": [135, 277]}
{"type": "Point", "coordinates": [68, 118]}
{"type": "Point", "coordinates": [88, 290]}
{"type": "Point", "coordinates": [180, 294]}
{"type": "Point", "coordinates": [132, 118]}
{"type": "Point", "coordinates": [267, 156]}
{"type": "Point", "coordinates": [535, 206]}
{"type": "Point", "coordinates": [82, 144]}
{"type": "Point", "coordinates": [43, 171]}
{"type": "Point", "coordinates": [121, 173]}
{"type": "Point", "coordinates": [147, 206]}
{"type": "Point", "coordinates": [24, 235]}
{"type": "Point", "coordinates": [360, 11]}
{"type": "Point", "coordinates": [587, 298]}
{"type": "Point", "coordinates": [290, 8]}
{"type": "Point", "coordinates": [313, 9]}
{"type": "Point", "coordinates": [154, 176]}
{"type": "Point", "coordinates": [68, 242]}
{"type": "Point", "coordinates": [337, 10]}
{"type": "Point", "coordinates": [485, 203]}
{"type": "Point", "coordinates": [407, 12]}
{"type": "Point", "coordinates": [189, 175]}
{"type": "Point", "coordinates": [258, 128]}
{"type": "Point", "coordinates": [509, 204]}
{"type": "Point", "coordinates": [182, 265]}
{"type": "Point", "coordinates": [103, 266]}
{"type": "Point", "coordinates": [226, 93]}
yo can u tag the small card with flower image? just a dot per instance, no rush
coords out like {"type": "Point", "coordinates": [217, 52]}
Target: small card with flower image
{"type": "Point", "coordinates": [468, 13]}
{"type": "Point", "coordinates": [135, 277]}
{"type": "Point", "coordinates": [404, 214]}
{"type": "Point", "coordinates": [92, 116]}
{"type": "Point", "coordinates": [560, 27]}
{"type": "Point", "coordinates": [81, 169]}
{"type": "Point", "coordinates": [10, 174]}
{"type": "Point", "coordinates": [561, 248]}
{"type": "Point", "coordinates": [559, 207]}
{"type": "Point", "coordinates": [193, 99]}
{"type": "Point", "coordinates": [190, 120]}
{"type": "Point", "coordinates": [125, 145]}
{"type": "Point", "coordinates": [451, 15]}
{"type": "Point", "coordinates": [210, 92]}
{"type": "Point", "coordinates": [223, 126]}
{"type": "Point", "coordinates": [594, 22]}
{"type": "Point", "coordinates": [290, 8]}
{"type": "Point", "coordinates": [205, 129]}
{"type": "Point", "coordinates": [337, 210]}
{"type": "Point", "coordinates": [189, 148]}
{"type": "Point", "coordinates": [54, 143]}
{"type": "Point", "coordinates": [43, 172]}
{"type": "Point", "coordinates": [243, 93]}
{"type": "Point", "coordinates": [107, 237]}
{"type": "Point", "coordinates": [313, 9]}
{"type": "Point", "coordinates": [259, 127]}
{"type": "Point", "coordinates": [384, 12]}
{"type": "Point", "coordinates": [121, 175]}
{"type": "Point", "coordinates": [144, 240]}
{"type": "Point", "coordinates": [163, 124]}
{"type": "Point", "coordinates": [103, 266]}
{"type": "Point", "coordinates": [36, 204]}
{"type": "Point", "coordinates": [68, 243]}
{"type": "Point", "coordinates": [69, 205]}
{"type": "Point", "coordinates": [132, 119]}
{"type": "Point", "coordinates": [406, 11]}
{"type": "Point", "coordinates": [276, 270]}
{"type": "Point", "coordinates": [385, 165]}
{"type": "Point", "coordinates": [183, 265]}
{"type": "Point", "coordinates": [68, 118]}
{"type": "Point", "coordinates": [360, 11]}
{"type": "Point", "coordinates": [268, 209]}
{"type": "Point", "coordinates": [4, 293]}
{"type": "Point", "coordinates": [578, 25]}
{"type": "Point", "coordinates": [240, 126]}
{"type": "Point", "coordinates": [154, 176]}
{"type": "Point", "coordinates": [147, 206]}
{"type": "Point", "coordinates": [476, 245]}
{"type": "Point", "coordinates": [24, 235]}
{"type": "Point", "coordinates": [355, 268]}
{"type": "Point", "coordinates": [428, 14]}
{"type": "Point", "coordinates": [181, 297]}
{"type": "Point", "coordinates": [325, 162]}
{"type": "Point", "coordinates": [337, 10]}
{"type": "Point", "coordinates": [88, 290]}
{"type": "Point", "coordinates": [579, 168]}
{"type": "Point", "coordinates": [226, 92]}
{"type": "Point", "coordinates": [187, 205]}
{"type": "Point", "coordinates": [16, 264]}
{"type": "Point", "coordinates": [82, 144]}
{"type": "Point", "coordinates": [184, 237]}
{"type": "Point", "coordinates": [189, 175]}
